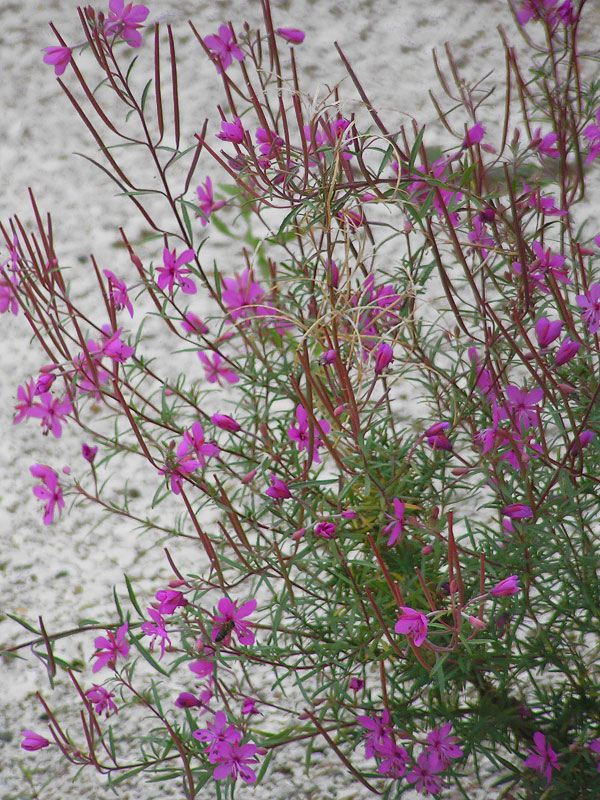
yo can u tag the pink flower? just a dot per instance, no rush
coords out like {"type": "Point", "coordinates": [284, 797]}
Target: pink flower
{"type": "Point", "coordinates": [396, 527]}
{"type": "Point", "coordinates": [125, 20]}
{"type": "Point", "coordinates": [300, 433]}
{"type": "Point", "coordinates": [394, 760]}
{"type": "Point", "coordinates": [507, 587]}
{"type": "Point", "coordinates": [170, 600]}
{"type": "Point", "coordinates": [425, 774]}
{"type": "Point", "coordinates": [436, 438]}
{"type": "Point", "coordinates": [542, 758]}
{"type": "Point", "coordinates": [474, 135]}
{"type": "Point", "coordinates": [291, 35]}
{"type": "Point", "coordinates": [592, 134]}
{"type": "Point", "coordinates": [226, 423]}
{"type": "Point", "coordinates": [230, 619]}
{"type": "Point", "coordinates": [522, 405]}
{"type": "Point", "coordinates": [114, 347]}
{"type": "Point", "coordinates": [269, 142]}
{"type": "Point", "coordinates": [59, 57]}
{"type": "Point", "coordinates": [479, 236]}
{"type": "Point", "coordinates": [110, 647]}
{"type": "Point", "coordinates": [26, 396]}
{"type": "Point", "coordinates": [231, 131]}
{"type": "Point", "coordinates": [567, 350]}
{"type": "Point", "coordinates": [89, 452]}
{"type": "Point", "coordinates": [443, 745]}
{"type": "Point", "coordinates": [118, 292]}
{"type": "Point", "coordinates": [52, 412]}
{"type": "Point", "coordinates": [589, 303]}
{"type": "Point", "coordinates": [241, 294]}
{"type": "Point", "coordinates": [194, 442]}
{"type": "Point", "coordinates": [594, 746]}
{"type": "Point", "coordinates": [546, 331]}
{"type": "Point", "coordinates": [176, 467]}
{"type": "Point", "coordinates": [33, 741]}
{"type": "Point", "coordinates": [187, 700]}
{"type": "Point", "coordinates": [517, 511]}
{"type": "Point", "coordinates": [207, 202]}
{"type": "Point", "coordinates": [233, 760]}
{"type": "Point", "coordinates": [215, 368]}
{"type": "Point", "coordinates": [101, 699]}
{"type": "Point", "coordinates": [384, 355]}
{"type": "Point", "coordinates": [545, 145]}
{"type": "Point", "coordinates": [49, 490]}
{"type": "Point", "coordinates": [326, 530]}
{"type": "Point", "coordinates": [278, 490]}
{"type": "Point", "coordinates": [216, 733]}
{"type": "Point", "coordinates": [355, 684]}
{"type": "Point", "coordinates": [534, 10]}
{"type": "Point", "coordinates": [202, 668]}
{"type": "Point", "coordinates": [224, 48]}
{"type": "Point", "coordinates": [583, 440]}
{"type": "Point", "coordinates": [249, 706]}
{"type": "Point", "coordinates": [379, 732]}
{"type": "Point", "coordinates": [413, 624]}
{"type": "Point", "coordinates": [174, 272]}
{"type": "Point", "coordinates": [543, 204]}
{"type": "Point", "coordinates": [193, 324]}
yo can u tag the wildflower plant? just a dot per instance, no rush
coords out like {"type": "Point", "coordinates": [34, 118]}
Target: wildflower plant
{"type": "Point", "coordinates": [415, 583]}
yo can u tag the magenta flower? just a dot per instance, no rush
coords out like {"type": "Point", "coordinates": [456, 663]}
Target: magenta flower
{"type": "Point", "coordinates": [170, 600]}
{"type": "Point", "coordinates": [355, 684]}
{"type": "Point", "coordinates": [300, 433]}
{"type": "Point", "coordinates": [589, 303]}
{"type": "Point", "coordinates": [118, 292]}
{"type": "Point", "coordinates": [546, 263]}
{"type": "Point", "coordinates": [44, 382]}
{"type": "Point", "coordinates": [217, 732]}
{"type": "Point", "coordinates": [52, 413]}
{"type": "Point", "coordinates": [193, 324]}
{"type": "Point", "coordinates": [480, 237]}
{"type": "Point", "coordinates": [507, 587]}
{"type": "Point", "coordinates": [110, 647]}
{"type": "Point", "coordinates": [26, 396]}
{"type": "Point", "coordinates": [177, 467]}
{"type": "Point", "coordinates": [545, 145]}
{"type": "Point", "coordinates": [436, 438]}
{"type": "Point", "coordinates": [594, 746]}
{"type": "Point", "coordinates": [208, 204]}
{"type": "Point", "coordinates": [291, 35]}
{"type": "Point", "coordinates": [173, 272]}
{"type": "Point", "coordinates": [33, 741]}
{"type": "Point", "coordinates": [445, 746]}
{"type": "Point", "coordinates": [517, 511]}
{"type": "Point", "coordinates": [124, 21]}
{"type": "Point", "coordinates": [226, 423]}
{"type": "Point", "coordinates": [567, 350]}
{"type": "Point", "coordinates": [58, 57]}
{"type": "Point", "coordinates": [474, 135]}
{"type": "Point", "coordinates": [543, 203]}
{"type": "Point", "coordinates": [396, 527]}
{"type": "Point", "coordinates": [241, 294]}
{"type": "Point", "coordinates": [534, 10]}
{"type": "Point", "coordinates": [326, 530]}
{"type": "Point", "coordinates": [522, 405]}
{"type": "Point", "coordinates": [546, 331]}
{"type": "Point", "coordinates": [230, 619]}
{"type": "Point", "coordinates": [216, 368]}
{"type": "Point", "coordinates": [269, 142]}
{"type": "Point", "coordinates": [379, 732]}
{"type": "Point", "coordinates": [234, 759]}
{"type": "Point", "coordinates": [426, 773]}
{"type": "Point", "coordinates": [278, 490]}
{"type": "Point", "coordinates": [231, 131]}
{"type": "Point", "coordinates": [384, 355]}
{"type": "Point", "coordinates": [394, 760]}
{"type": "Point", "coordinates": [101, 699]}
{"type": "Point", "coordinates": [114, 347]}
{"type": "Point", "coordinates": [49, 490]}
{"type": "Point", "coordinates": [194, 442]}
{"type": "Point", "coordinates": [202, 668]}
{"type": "Point", "coordinates": [224, 48]}
{"type": "Point", "coordinates": [249, 706]}
{"type": "Point", "coordinates": [542, 758]}
{"type": "Point", "coordinates": [188, 700]}
{"type": "Point", "coordinates": [583, 440]}
{"type": "Point", "coordinates": [413, 624]}
{"type": "Point", "coordinates": [8, 297]}
{"type": "Point", "coordinates": [89, 452]}
{"type": "Point", "coordinates": [592, 134]}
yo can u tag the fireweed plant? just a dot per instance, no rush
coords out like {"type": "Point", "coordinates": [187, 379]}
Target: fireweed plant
{"type": "Point", "coordinates": [414, 583]}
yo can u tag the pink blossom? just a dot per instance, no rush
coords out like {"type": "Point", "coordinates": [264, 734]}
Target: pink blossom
{"type": "Point", "coordinates": [194, 442]}
{"type": "Point", "coordinates": [325, 530]}
{"type": "Point", "coordinates": [89, 452]}
{"type": "Point", "coordinates": [291, 35]}
{"type": "Point", "coordinates": [233, 760]}
{"type": "Point", "coordinates": [110, 647]}
{"type": "Point", "coordinates": [226, 423]}
{"type": "Point", "coordinates": [355, 684]}
{"type": "Point", "coordinates": [26, 396]}
{"type": "Point", "coordinates": [480, 237]}
{"type": "Point", "coordinates": [522, 405]}
{"type": "Point", "coordinates": [49, 490]}
{"type": "Point", "coordinates": [202, 668]}
{"type": "Point", "coordinates": [567, 350]}
{"type": "Point", "coordinates": [589, 303]}
{"type": "Point", "coordinates": [269, 142]}
{"type": "Point", "coordinates": [114, 347]}
{"type": "Point", "coordinates": [249, 706]}
{"type": "Point", "coordinates": [543, 204]}
{"type": "Point", "coordinates": [413, 624]}
{"type": "Point", "coordinates": [445, 746]}
{"type": "Point", "coordinates": [101, 699]}
{"type": "Point", "coordinates": [8, 297]}
{"type": "Point", "coordinates": [241, 294]}
{"type": "Point", "coordinates": [517, 511]}
{"type": "Point", "coordinates": [118, 292]}
{"type": "Point", "coordinates": [170, 600]}
{"type": "Point", "coordinates": [546, 331]}
{"type": "Point", "coordinates": [59, 57]}
{"type": "Point", "coordinates": [545, 145]}
{"type": "Point", "coordinates": [231, 620]}
{"type": "Point", "coordinates": [379, 732]}
{"type": "Point", "coordinates": [193, 324]}
{"type": "Point", "coordinates": [384, 356]}
{"type": "Point", "coordinates": [507, 587]}
{"type": "Point", "coordinates": [425, 773]}
{"type": "Point", "coordinates": [231, 131]}
{"type": "Point", "coordinates": [125, 20]}
{"type": "Point", "coordinates": [394, 760]}
{"type": "Point", "coordinates": [396, 527]}
{"type": "Point", "coordinates": [542, 758]}
{"type": "Point", "coordinates": [592, 134]}
{"type": "Point", "coordinates": [278, 490]}
{"type": "Point", "coordinates": [300, 433]}
{"type": "Point", "coordinates": [216, 368]}
{"type": "Point", "coordinates": [187, 700]}
{"type": "Point", "coordinates": [436, 438]}
{"type": "Point", "coordinates": [217, 732]}
{"type": "Point", "coordinates": [52, 413]}
{"type": "Point", "coordinates": [594, 746]}
{"type": "Point", "coordinates": [224, 48]}
{"type": "Point", "coordinates": [176, 467]}
{"type": "Point", "coordinates": [33, 741]}
{"type": "Point", "coordinates": [173, 272]}
{"type": "Point", "coordinates": [208, 204]}
{"type": "Point", "coordinates": [583, 440]}
{"type": "Point", "coordinates": [474, 135]}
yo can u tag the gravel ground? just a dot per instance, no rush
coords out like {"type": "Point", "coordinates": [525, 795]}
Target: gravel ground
{"type": "Point", "coordinates": [66, 572]}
